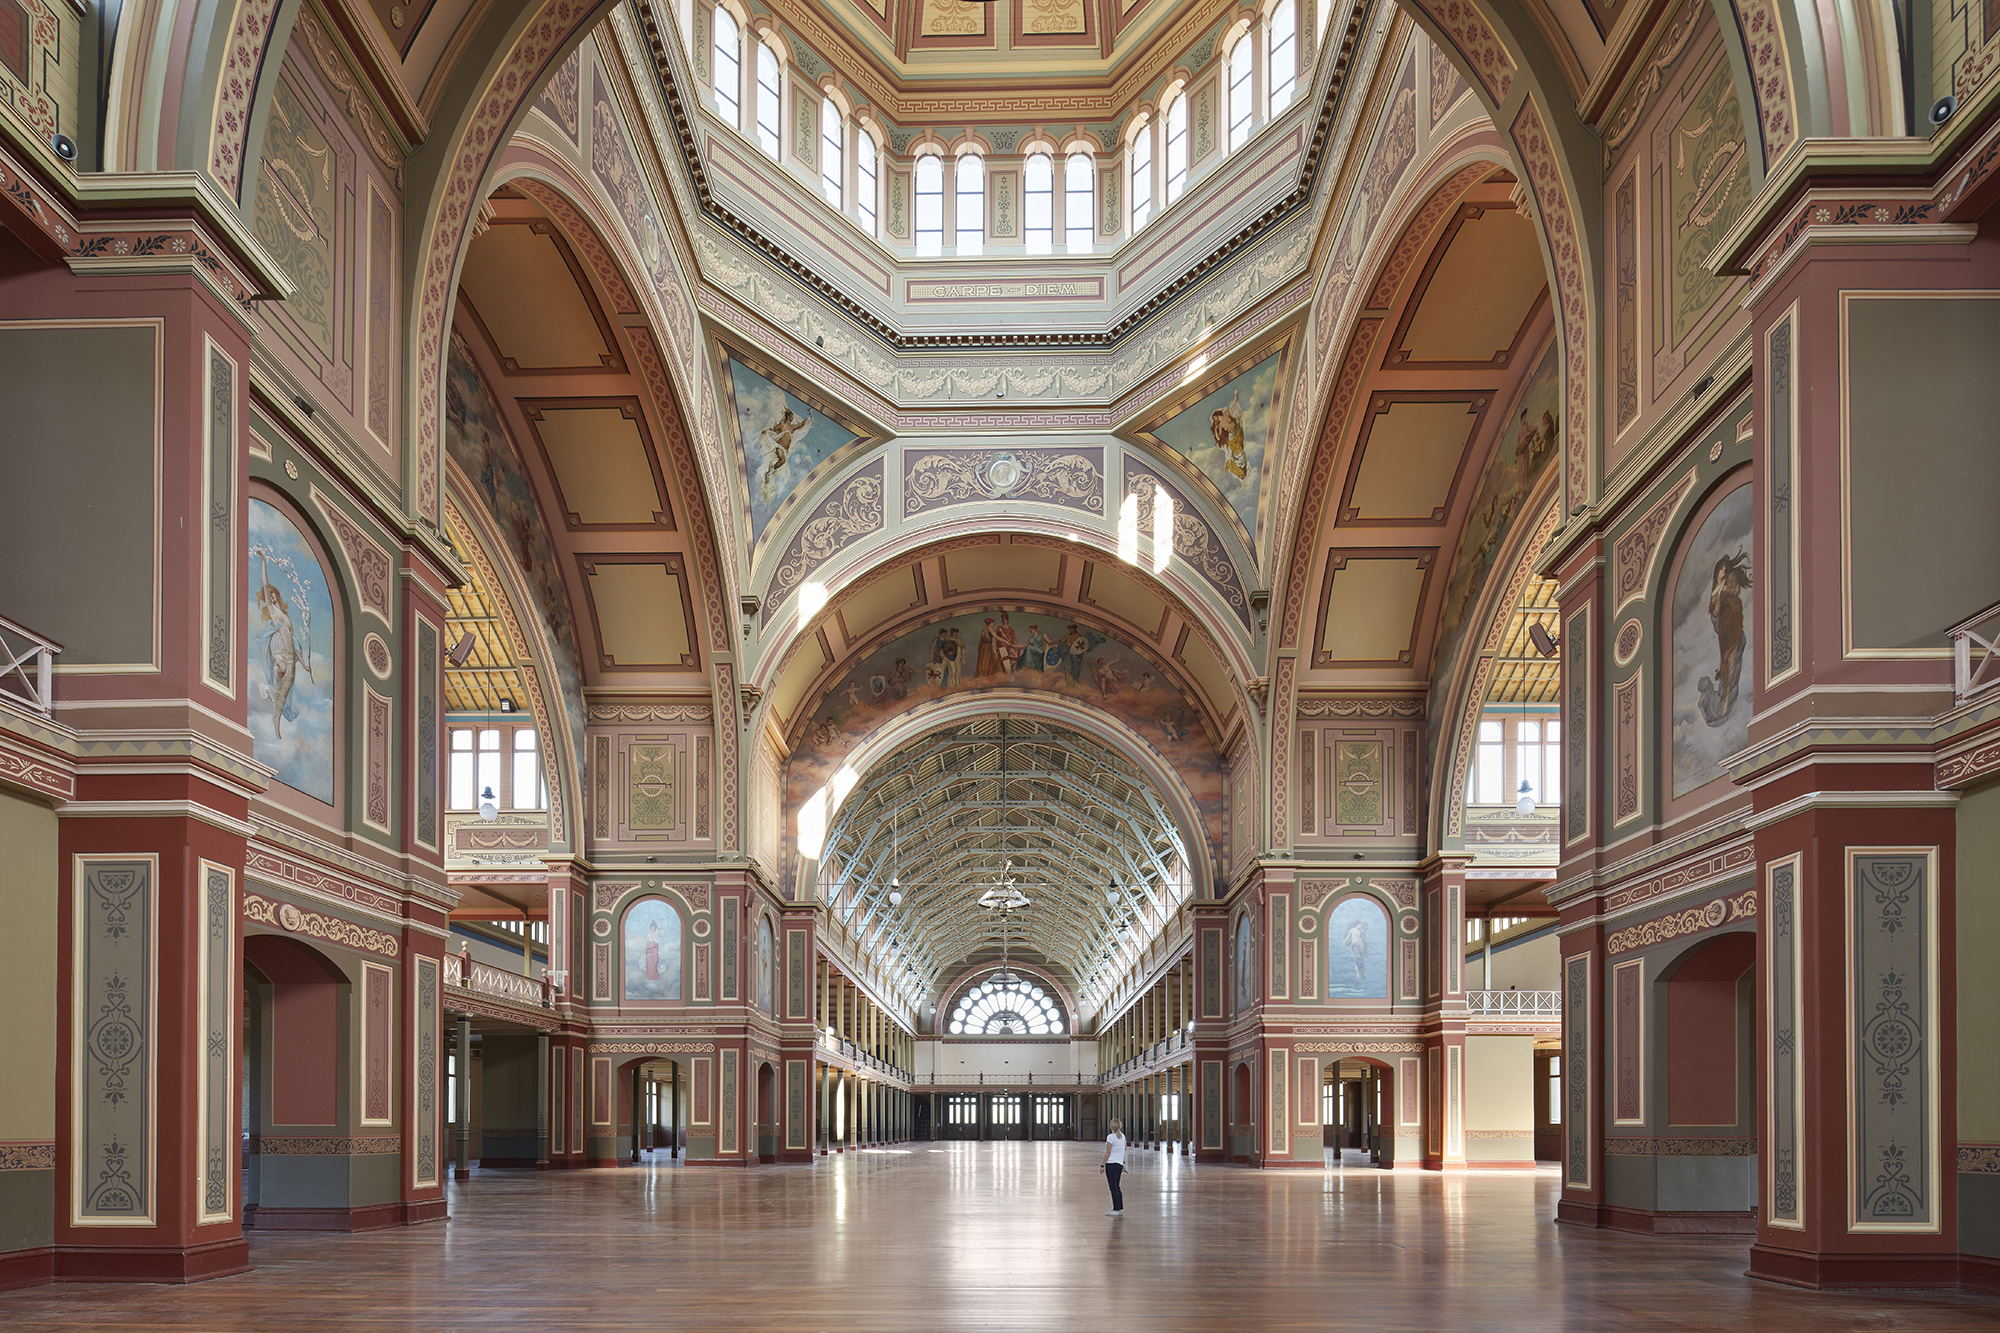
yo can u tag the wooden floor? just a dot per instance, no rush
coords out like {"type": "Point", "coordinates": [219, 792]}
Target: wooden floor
{"type": "Point", "coordinates": [952, 1236]}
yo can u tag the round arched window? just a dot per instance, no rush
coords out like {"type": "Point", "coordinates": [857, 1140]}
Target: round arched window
{"type": "Point", "coordinates": [1003, 1008]}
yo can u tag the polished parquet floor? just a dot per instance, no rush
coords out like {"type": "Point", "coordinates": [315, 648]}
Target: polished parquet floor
{"type": "Point", "coordinates": [988, 1236]}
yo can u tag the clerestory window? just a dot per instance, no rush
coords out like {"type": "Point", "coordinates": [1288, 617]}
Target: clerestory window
{"type": "Point", "coordinates": [1038, 179]}
{"type": "Point", "coordinates": [1079, 195]}
{"type": "Point", "coordinates": [767, 98]}
{"type": "Point", "coordinates": [728, 64]}
{"type": "Point", "coordinates": [1003, 1008]}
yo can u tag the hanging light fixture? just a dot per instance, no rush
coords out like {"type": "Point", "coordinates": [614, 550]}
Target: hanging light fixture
{"type": "Point", "coordinates": [1526, 804]}
{"type": "Point", "coordinates": [896, 857]}
{"type": "Point", "coordinates": [487, 810]}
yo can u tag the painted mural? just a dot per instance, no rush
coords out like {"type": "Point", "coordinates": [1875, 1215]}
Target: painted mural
{"type": "Point", "coordinates": [480, 445]}
{"type": "Point", "coordinates": [1357, 950]}
{"type": "Point", "coordinates": [1712, 642]}
{"type": "Point", "coordinates": [767, 957]}
{"type": "Point", "coordinates": [652, 951]}
{"type": "Point", "coordinates": [996, 650]}
{"type": "Point", "coordinates": [782, 438]}
{"type": "Point", "coordinates": [1224, 434]}
{"type": "Point", "coordinates": [291, 655]}
{"type": "Point", "coordinates": [1246, 966]}
{"type": "Point", "coordinates": [1530, 436]}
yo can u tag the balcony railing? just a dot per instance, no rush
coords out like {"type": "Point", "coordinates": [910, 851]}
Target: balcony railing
{"type": "Point", "coordinates": [1973, 652]}
{"type": "Point", "coordinates": [28, 665]}
{"type": "Point", "coordinates": [492, 981]}
{"type": "Point", "coordinates": [1524, 1003]}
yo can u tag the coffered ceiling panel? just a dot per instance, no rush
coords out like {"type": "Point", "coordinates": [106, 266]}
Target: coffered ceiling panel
{"type": "Point", "coordinates": [642, 611]}
{"type": "Point", "coordinates": [602, 462]}
{"type": "Point", "coordinates": [1368, 607]}
{"type": "Point", "coordinates": [1475, 294]}
{"type": "Point", "coordinates": [876, 602]}
{"type": "Point", "coordinates": [535, 303]}
{"type": "Point", "coordinates": [1020, 568]}
{"type": "Point", "coordinates": [1105, 587]}
{"type": "Point", "coordinates": [1411, 454]}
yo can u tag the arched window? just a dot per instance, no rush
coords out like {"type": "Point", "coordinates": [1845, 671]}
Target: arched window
{"type": "Point", "coordinates": [1239, 91]}
{"type": "Point", "coordinates": [832, 139]}
{"type": "Point", "coordinates": [1142, 176]}
{"type": "Point", "coordinates": [767, 98]}
{"type": "Point", "coordinates": [1039, 198]}
{"type": "Point", "coordinates": [930, 205]}
{"type": "Point", "coordinates": [1284, 61]}
{"type": "Point", "coordinates": [864, 180]}
{"type": "Point", "coordinates": [1357, 950]}
{"type": "Point", "coordinates": [971, 203]}
{"type": "Point", "coordinates": [728, 63]}
{"type": "Point", "coordinates": [1016, 1008]}
{"type": "Point", "coordinates": [1177, 148]}
{"type": "Point", "coordinates": [1079, 182]}
{"type": "Point", "coordinates": [652, 939]}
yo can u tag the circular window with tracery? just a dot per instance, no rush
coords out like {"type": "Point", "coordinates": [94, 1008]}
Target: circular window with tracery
{"type": "Point", "coordinates": [1006, 1008]}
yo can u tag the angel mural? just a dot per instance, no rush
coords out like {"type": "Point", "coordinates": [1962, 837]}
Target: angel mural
{"type": "Point", "coordinates": [1725, 612]}
{"type": "Point", "coordinates": [290, 667]}
{"type": "Point", "coordinates": [778, 439]}
{"type": "Point", "coordinates": [1712, 629]}
{"type": "Point", "coordinates": [1226, 425]}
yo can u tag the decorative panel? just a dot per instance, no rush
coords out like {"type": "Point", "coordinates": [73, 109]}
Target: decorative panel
{"type": "Point", "coordinates": [576, 1099]}
{"type": "Point", "coordinates": [1628, 1043]}
{"type": "Point", "coordinates": [795, 1102]}
{"type": "Point", "coordinates": [727, 927]}
{"type": "Point", "coordinates": [701, 1091]}
{"type": "Point", "coordinates": [1410, 1091]}
{"type": "Point", "coordinates": [1894, 1158]}
{"type": "Point", "coordinates": [1433, 1139]}
{"type": "Point", "coordinates": [1358, 783]}
{"type": "Point", "coordinates": [427, 690]}
{"type": "Point", "coordinates": [1782, 958]}
{"type": "Point", "coordinates": [114, 1054]}
{"type": "Point", "coordinates": [1281, 944]}
{"type": "Point", "coordinates": [375, 761]}
{"type": "Point", "coordinates": [1576, 726]}
{"type": "Point", "coordinates": [1576, 1071]}
{"type": "Point", "coordinates": [1454, 1101]}
{"type": "Point", "coordinates": [600, 1092]}
{"type": "Point", "coordinates": [217, 981]}
{"type": "Point", "coordinates": [1211, 975]}
{"type": "Point", "coordinates": [1308, 785]}
{"type": "Point", "coordinates": [1409, 969]}
{"type": "Point", "coordinates": [1308, 988]}
{"type": "Point", "coordinates": [381, 353]}
{"type": "Point", "coordinates": [652, 785]}
{"type": "Point", "coordinates": [726, 1128]}
{"type": "Point", "coordinates": [377, 1049]}
{"type": "Point", "coordinates": [1281, 1115]}
{"type": "Point", "coordinates": [1781, 464]}
{"type": "Point", "coordinates": [1627, 744]}
{"type": "Point", "coordinates": [1454, 931]}
{"type": "Point", "coordinates": [600, 971]}
{"type": "Point", "coordinates": [1211, 1094]}
{"type": "Point", "coordinates": [797, 956]}
{"type": "Point", "coordinates": [426, 1169]}
{"type": "Point", "coordinates": [1307, 1099]}
{"type": "Point", "coordinates": [701, 972]}
{"type": "Point", "coordinates": [218, 588]}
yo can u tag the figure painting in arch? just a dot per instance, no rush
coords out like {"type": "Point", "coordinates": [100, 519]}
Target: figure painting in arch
{"type": "Point", "coordinates": [1713, 624]}
{"type": "Point", "coordinates": [290, 671]}
{"type": "Point", "coordinates": [766, 963]}
{"type": "Point", "coordinates": [1224, 435]}
{"type": "Point", "coordinates": [1010, 649]}
{"type": "Point", "coordinates": [781, 436]}
{"type": "Point", "coordinates": [652, 951]}
{"type": "Point", "coordinates": [1246, 966]}
{"type": "Point", "coordinates": [1357, 950]}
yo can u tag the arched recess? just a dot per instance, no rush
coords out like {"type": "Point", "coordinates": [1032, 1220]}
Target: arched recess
{"type": "Point", "coordinates": [652, 942]}
{"type": "Point", "coordinates": [301, 1081]}
{"type": "Point", "coordinates": [1357, 938]}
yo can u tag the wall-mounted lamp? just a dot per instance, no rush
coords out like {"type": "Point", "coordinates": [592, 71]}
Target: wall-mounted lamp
{"type": "Point", "coordinates": [507, 706]}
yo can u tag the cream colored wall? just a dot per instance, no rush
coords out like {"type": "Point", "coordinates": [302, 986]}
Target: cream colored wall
{"type": "Point", "coordinates": [1533, 965]}
{"type": "Point", "coordinates": [28, 970]}
{"type": "Point", "coordinates": [1011, 1061]}
{"type": "Point", "coordinates": [1978, 925]}
{"type": "Point", "coordinates": [1499, 1087]}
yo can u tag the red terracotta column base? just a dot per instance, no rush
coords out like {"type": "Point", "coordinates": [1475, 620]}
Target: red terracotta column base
{"type": "Point", "coordinates": [27, 1268]}
{"type": "Point", "coordinates": [151, 1263]}
{"type": "Point", "coordinates": [372, 1217]}
{"type": "Point", "coordinates": [416, 1212]}
{"type": "Point", "coordinates": [1799, 1268]}
{"type": "Point", "coordinates": [1580, 1213]}
{"type": "Point", "coordinates": [1645, 1223]}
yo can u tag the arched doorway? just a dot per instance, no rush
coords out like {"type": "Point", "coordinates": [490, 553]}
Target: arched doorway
{"type": "Point", "coordinates": [767, 1113]}
{"type": "Point", "coordinates": [1242, 1114]}
{"type": "Point", "coordinates": [1356, 1098]}
{"type": "Point", "coordinates": [299, 1094]}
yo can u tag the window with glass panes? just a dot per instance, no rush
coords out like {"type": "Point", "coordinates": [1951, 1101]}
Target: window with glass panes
{"type": "Point", "coordinates": [1142, 177]}
{"type": "Point", "coordinates": [1177, 148]}
{"type": "Point", "coordinates": [961, 1109]}
{"type": "Point", "coordinates": [1051, 1110]}
{"type": "Point", "coordinates": [930, 205]}
{"type": "Point", "coordinates": [1079, 194]}
{"type": "Point", "coordinates": [832, 155]}
{"type": "Point", "coordinates": [767, 98]}
{"type": "Point", "coordinates": [1239, 91]}
{"type": "Point", "coordinates": [864, 181]}
{"type": "Point", "coordinates": [504, 760]}
{"type": "Point", "coordinates": [1006, 1109]}
{"type": "Point", "coordinates": [1516, 747]}
{"type": "Point", "coordinates": [1038, 199]}
{"type": "Point", "coordinates": [1283, 68]}
{"type": "Point", "coordinates": [970, 206]}
{"type": "Point", "coordinates": [728, 63]}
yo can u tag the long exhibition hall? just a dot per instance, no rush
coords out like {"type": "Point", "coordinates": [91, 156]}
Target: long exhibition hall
{"type": "Point", "coordinates": [657, 655]}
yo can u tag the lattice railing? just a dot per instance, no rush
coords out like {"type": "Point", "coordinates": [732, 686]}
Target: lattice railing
{"type": "Point", "coordinates": [1975, 647]}
{"type": "Point", "coordinates": [28, 665]}
{"type": "Point", "coordinates": [1537, 1003]}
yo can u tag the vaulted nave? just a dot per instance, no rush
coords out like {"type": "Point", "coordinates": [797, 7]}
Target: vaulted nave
{"type": "Point", "coordinates": [664, 661]}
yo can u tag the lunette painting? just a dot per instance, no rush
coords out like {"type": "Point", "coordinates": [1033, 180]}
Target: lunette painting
{"type": "Point", "coordinates": [290, 671]}
{"type": "Point", "coordinates": [652, 951]}
{"type": "Point", "coordinates": [1357, 950]}
{"type": "Point", "coordinates": [1713, 625]}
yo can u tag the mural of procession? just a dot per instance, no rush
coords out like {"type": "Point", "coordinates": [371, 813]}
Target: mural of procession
{"type": "Point", "coordinates": [1011, 649]}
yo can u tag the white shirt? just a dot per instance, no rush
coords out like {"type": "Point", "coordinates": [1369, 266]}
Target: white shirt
{"type": "Point", "coordinates": [1116, 1142]}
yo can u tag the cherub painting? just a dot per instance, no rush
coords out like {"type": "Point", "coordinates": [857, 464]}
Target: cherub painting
{"type": "Point", "coordinates": [1712, 629]}
{"type": "Point", "coordinates": [290, 667]}
{"type": "Point", "coordinates": [782, 438]}
{"type": "Point", "coordinates": [1224, 434]}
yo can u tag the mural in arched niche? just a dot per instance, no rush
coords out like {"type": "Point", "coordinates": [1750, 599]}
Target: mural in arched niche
{"type": "Point", "coordinates": [290, 669]}
{"type": "Point", "coordinates": [1357, 950]}
{"type": "Point", "coordinates": [767, 953]}
{"type": "Point", "coordinates": [1712, 641]}
{"type": "Point", "coordinates": [652, 951]}
{"type": "Point", "coordinates": [1011, 650]}
{"type": "Point", "coordinates": [1246, 965]}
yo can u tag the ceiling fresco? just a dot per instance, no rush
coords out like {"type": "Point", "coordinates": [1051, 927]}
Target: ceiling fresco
{"type": "Point", "coordinates": [780, 436]}
{"type": "Point", "coordinates": [1221, 427]}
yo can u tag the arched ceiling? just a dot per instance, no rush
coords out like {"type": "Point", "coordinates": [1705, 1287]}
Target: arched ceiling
{"type": "Point", "coordinates": [956, 819]}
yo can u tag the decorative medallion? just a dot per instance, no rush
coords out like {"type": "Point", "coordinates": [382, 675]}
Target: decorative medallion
{"type": "Point", "coordinates": [700, 926]}
{"type": "Point", "coordinates": [1409, 925]}
{"type": "Point", "coordinates": [377, 653]}
{"type": "Point", "coordinates": [1626, 646]}
{"type": "Point", "coordinates": [601, 928]}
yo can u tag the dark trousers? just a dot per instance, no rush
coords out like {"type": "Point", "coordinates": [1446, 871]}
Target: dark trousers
{"type": "Point", "coordinates": [1113, 1170]}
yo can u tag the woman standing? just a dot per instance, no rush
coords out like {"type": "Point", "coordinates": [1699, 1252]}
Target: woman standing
{"type": "Point", "coordinates": [1114, 1167]}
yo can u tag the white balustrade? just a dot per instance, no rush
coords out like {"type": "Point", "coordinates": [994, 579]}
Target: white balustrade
{"type": "Point", "coordinates": [28, 665]}
{"type": "Point", "coordinates": [1527, 1003]}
